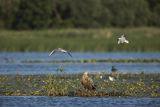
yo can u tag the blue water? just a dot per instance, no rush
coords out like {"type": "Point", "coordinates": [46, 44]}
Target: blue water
{"type": "Point", "coordinates": [43, 56]}
{"type": "Point", "coordinates": [43, 101]}
{"type": "Point", "coordinates": [49, 68]}
{"type": "Point", "coordinates": [15, 62]}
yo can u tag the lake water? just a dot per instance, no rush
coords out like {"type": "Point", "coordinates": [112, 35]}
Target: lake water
{"type": "Point", "coordinates": [43, 56]}
{"type": "Point", "coordinates": [50, 68]}
{"type": "Point", "coordinates": [43, 101]}
{"type": "Point", "coordinates": [16, 62]}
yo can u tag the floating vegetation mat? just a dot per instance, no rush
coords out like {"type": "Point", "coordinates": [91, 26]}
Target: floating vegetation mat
{"type": "Point", "coordinates": [95, 60]}
{"type": "Point", "coordinates": [140, 85]}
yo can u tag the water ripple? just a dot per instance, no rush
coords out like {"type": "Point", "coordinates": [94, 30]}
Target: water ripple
{"type": "Point", "coordinates": [43, 101]}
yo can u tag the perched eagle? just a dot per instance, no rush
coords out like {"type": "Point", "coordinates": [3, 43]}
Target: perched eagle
{"type": "Point", "coordinates": [87, 82]}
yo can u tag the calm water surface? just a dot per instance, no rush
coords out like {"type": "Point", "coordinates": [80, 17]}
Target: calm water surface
{"type": "Point", "coordinates": [14, 63]}
{"type": "Point", "coordinates": [42, 101]}
{"type": "Point", "coordinates": [49, 68]}
{"type": "Point", "coordinates": [11, 63]}
{"type": "Point", "coordinates": [43, 56]}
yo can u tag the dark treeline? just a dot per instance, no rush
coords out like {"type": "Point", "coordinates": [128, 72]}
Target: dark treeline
{"type": "Point", "coordinates": [38, 14]}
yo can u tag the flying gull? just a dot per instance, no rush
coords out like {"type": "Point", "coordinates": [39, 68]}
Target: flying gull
{"type": "Point", "coordinates": [122, 40]}
{"type": "Point", "coordinates": [60, 50]}
{"type": "Point", "coordinates": [87, 82]}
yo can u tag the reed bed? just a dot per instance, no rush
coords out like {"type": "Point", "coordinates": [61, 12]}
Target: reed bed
{"type": "Point", "coordinates": [141, 39]}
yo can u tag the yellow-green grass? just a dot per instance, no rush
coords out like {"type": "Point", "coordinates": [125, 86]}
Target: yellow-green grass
{"type": "Point", "coordinates": [139, 85]}
{"type": "Point", "coordinates": [141, 39]}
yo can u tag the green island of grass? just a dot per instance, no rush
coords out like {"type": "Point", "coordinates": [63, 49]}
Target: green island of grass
{"type": "Point", "coordinates": [139, 85]}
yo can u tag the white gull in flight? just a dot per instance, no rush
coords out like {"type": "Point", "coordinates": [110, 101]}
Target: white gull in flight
{"type": "Point", "coordinates": [122, 39]}
{"type": "Point", "coordinates": [60, 50]}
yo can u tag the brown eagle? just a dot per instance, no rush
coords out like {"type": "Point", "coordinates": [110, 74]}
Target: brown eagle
{"type": "Point", "coordinates": [87, 82]}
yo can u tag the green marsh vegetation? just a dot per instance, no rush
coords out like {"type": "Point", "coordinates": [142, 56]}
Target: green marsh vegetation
{"type": "Point", "coordinates": [80, 26]}
{"type": "Point", "coordinates": [94, 61]}
{"type": "Point", "coordinates": [103, 39]}
{"type": "Point", "coordinates": [69, 85]}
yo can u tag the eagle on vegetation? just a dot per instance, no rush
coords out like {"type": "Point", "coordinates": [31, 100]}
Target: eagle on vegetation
{"type": "Point", "coordinates": [87, 82]}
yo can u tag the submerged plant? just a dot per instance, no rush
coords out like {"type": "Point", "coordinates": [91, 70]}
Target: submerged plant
{"type": "Point", "coordinates": [60, 69]}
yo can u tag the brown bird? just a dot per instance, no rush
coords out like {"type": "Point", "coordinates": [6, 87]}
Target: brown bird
{"type": "Point", "coordinates": [87, 82]}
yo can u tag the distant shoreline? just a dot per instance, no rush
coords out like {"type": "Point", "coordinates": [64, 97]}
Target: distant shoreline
{"type": "Point", "coordinates": [142, 39]}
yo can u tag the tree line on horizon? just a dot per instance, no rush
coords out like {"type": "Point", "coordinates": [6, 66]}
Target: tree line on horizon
{"type": "Point", "coordinates": [42, 14]}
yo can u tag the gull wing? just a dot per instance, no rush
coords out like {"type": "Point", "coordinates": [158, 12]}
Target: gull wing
{"type": "Point", "coordinates": [52, 52]}
{"type": "Point", "coordinates": [69, 54]}
{"type": "Point", "coordinates": [119, 40]}
{"type": "Point", "coordinates": [126, 41]}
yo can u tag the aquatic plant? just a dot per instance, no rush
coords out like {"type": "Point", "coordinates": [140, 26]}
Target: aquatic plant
{"type": "Point", "coordinates": [60, 68]}
{"type": "Point", "coordinates": [58, 86]}
{"type": "Point", "coordinates": [69, 85]}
